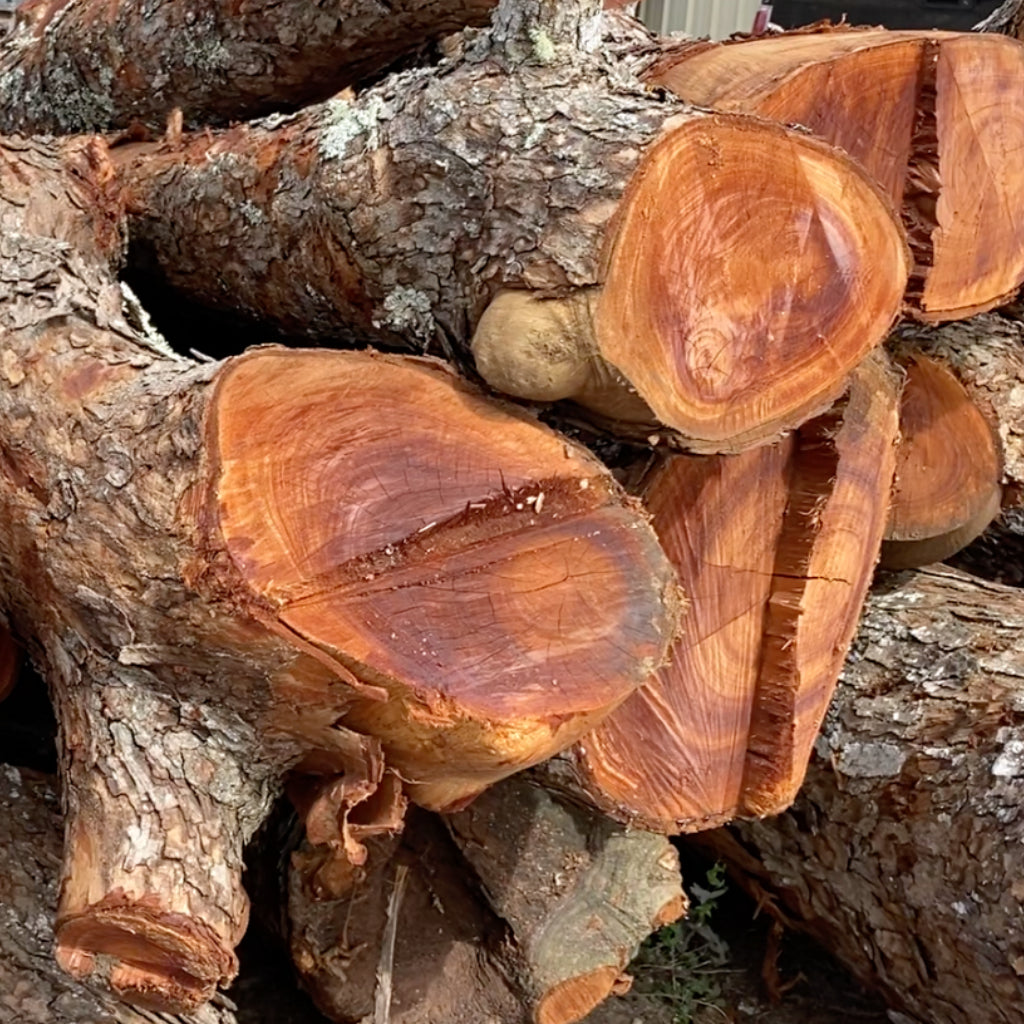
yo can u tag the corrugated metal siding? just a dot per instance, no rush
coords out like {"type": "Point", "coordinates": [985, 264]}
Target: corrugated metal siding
{"type": "Point", "coordinates": [714, 18]}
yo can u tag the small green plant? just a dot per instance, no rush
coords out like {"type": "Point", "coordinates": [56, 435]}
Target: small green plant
{"type": "Point", "coordinates": [681, 965]}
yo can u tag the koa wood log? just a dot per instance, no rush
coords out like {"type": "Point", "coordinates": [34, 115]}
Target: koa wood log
{"type": "Point", "coordinates": [594, 241]}
{"type": "Point", "coordinates": [33, 990]}
{"type": "Point", "coordinates": [947, 487]}
{"type": "Point", "coordinates": [92, 65]}
{"type": "Point", "coordinates": [297, 558]}
{"type": "Point", "coordinates": [531, 916]}
{"type": "Point", "coordinates": [903, 851]}
{"type": "Point", "coordinates": [938, 128]}
{"type": "Point", "coordinates": [776, 549]}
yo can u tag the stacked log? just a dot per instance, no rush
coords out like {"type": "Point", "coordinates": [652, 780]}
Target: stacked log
{"type": "Point", "coordinates": [367, 578]}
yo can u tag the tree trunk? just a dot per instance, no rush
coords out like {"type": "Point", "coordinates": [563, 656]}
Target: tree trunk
{"type": "Point", "coordinates": [903, 853]}
{"type": "Point", "coordinates": [776, 549]}
{"type": "Point", "coordinates": [937, 134]}
{"type": "Point", "coordinates": [444, 204]}
{"type": "Point", "coordinates": [92, 65]}
{"type": "Point", "coordinates": [560, 901]}
{"type": "Point", "coordinates": [32, 989]}
{"type": "Point", "coordinates": [224, 570]}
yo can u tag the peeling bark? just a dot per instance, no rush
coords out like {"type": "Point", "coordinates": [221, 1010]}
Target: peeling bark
{"type": "Point", "coordinates": [903, 853]}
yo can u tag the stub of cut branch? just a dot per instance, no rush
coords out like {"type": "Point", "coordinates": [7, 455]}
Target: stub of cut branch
{"type": "Point", "coordinates": [935, 132]}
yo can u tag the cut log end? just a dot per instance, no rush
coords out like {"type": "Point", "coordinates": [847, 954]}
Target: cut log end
{"type": "Point", "coordinates": [936, 130]}
{"type": "Point", "coordinates": [481, 571]}
{"type": "Point", "coordinates": [947, 488]}
{"type": "Point", "coordinates": [160, 961]}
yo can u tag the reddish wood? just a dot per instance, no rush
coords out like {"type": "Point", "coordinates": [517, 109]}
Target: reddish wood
{"type": "Point", "coordinates": [935, 130]}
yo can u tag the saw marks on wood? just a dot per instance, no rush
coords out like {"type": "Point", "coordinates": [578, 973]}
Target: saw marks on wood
{"type": "Point", "coordinates": [726, 342]}
{"type": "Point", "coordinates": [776, 549]}
{"type": "Point", "coordinates": [483, 571]}
{"type": "Point", "coordinates": [941, 128]}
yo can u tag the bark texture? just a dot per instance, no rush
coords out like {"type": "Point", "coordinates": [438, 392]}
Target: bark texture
{"type": "Point", "coordinates": [182, 692]}
{"type": "Point", "coordinates": [32, 989]}
{"type": "Point", "coordinates": [410, 208]}
{"type": "Point", "coordinates": [90, 65]}
{"type": "Point", "coordinates": [903, 851]}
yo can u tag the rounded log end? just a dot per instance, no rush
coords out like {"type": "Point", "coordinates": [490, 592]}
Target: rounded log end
{"type": "Point", "coordinates": [948, 469]}
{"type": "Point", "coordinates": [160, 961]}
{"type": "Point", "coordinates": [489, 577]}
{"type": "Point", "coordinates": [749, 270]}
{"type": "Point", "coordinates": [573, 999]}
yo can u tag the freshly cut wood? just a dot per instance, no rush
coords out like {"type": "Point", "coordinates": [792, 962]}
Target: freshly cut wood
{"type": "Point", "coordinates": [903, 852]}
{"type": "Point", "coordinates": [92, 65]}
{"type": "Point", "coordinates": [579, 893]}
{"type": "Point", "coordinates": [10, 660]}
{"type": "Point", "coordinates": [947, 488]}
{"type": "Point", "coordinates": [32, 988]}
{"type": "Point", "coordinates": [560, 901]}
{"type": "Point", "coordinates": [986, 353]}
{"type": "Point", "coordinates": [672, 757]}
{"type": "Point", "coordinates": [938, 128]}
{"type": "Point", "coordinates": [439, 206]}
{"type": "Point", "coordinates": [215, 566]}
{"type": "Point", "coordinates": [776, 549]}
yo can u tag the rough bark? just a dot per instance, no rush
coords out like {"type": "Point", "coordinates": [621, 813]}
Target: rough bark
{"type": "Point", "coordinates": [92, 65]}
{"type": "Point", "coordinates": [776, 549]}
{"type": "Point", "coordinates": [536, 924]}
{"type": "Point", "coordinates": [1007, 19]}
{"type": "Point", "coordinates": [409, 209]}
{"type": "Point", "coordinates": [32, 989]}
{"type": "Point", "coordinates": [903, 851]}
{"type": "Point", "coordinates": [188, 645]}
{"type": "Point", "coordinates": [938, 135]}
{"type": "Point", "coordinates": [947, 487]}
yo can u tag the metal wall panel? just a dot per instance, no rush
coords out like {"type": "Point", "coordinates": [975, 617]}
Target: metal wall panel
{"type": "Point", "coordinates": [714, 18]}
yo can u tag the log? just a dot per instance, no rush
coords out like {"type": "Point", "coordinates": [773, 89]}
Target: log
{"type": "Point", "coordinates": [776, 549]}
{"type": "Point", "coordinates": [934, 131]}
{"type": "Point", "coordinates": [224, 571]}
{"type": "Point", "coordinates": [439, 207]}
{"type": "Point", "coordinates": [947, 488]}
{"type": "Point", "coordinates": [32, 988]}
{"type": "Point", "coordinates": [986, 354]}
{"type": "Point", "coordinates": [92, 65]}
{"type": "Point", "coordinates": [903, 851]}
{"type": "Point", "coordinates": [531, 916]}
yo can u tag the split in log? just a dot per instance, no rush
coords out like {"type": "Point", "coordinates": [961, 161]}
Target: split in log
{"type": "Point", "coordinates": [947, 487]}
{"type": "Point", "coordinates": [777, 580]}
{"type": "Point", "coordinates": [576, 893]}
{"type": "Point", "coordinates": [440, 205]}
{"type": "Point", "coordinates": [938, 128]}
{"type": "Point", "coordinates": [92, 65]}
{"type": "Point", "coordinates": [903, 851]}
{"type": "Point", "coordinates": [32, 989]}
{"type": "Point", "coordinates": [215, 566]}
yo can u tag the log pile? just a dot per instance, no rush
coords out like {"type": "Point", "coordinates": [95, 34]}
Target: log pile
{"type": "Point", "coordinates": [491, 673]}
